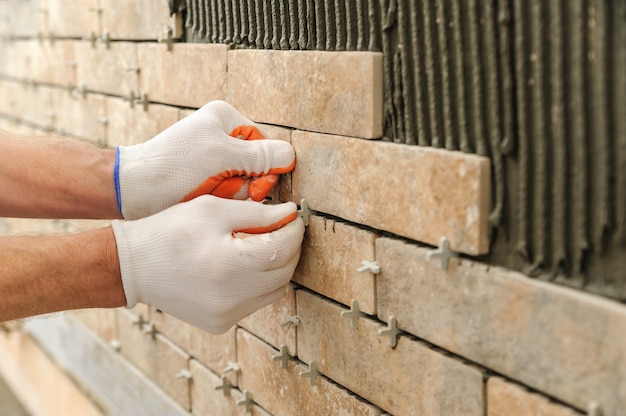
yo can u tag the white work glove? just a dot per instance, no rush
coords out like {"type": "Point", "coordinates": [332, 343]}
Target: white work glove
{"type": "Point", "coordinates": [189, 261]}
{"type": "Point", "coordinates": [202, 154]}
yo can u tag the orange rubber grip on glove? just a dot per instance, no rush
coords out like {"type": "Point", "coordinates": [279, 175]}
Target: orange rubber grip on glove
{"type": "Point", "coordinates": [228, 183]}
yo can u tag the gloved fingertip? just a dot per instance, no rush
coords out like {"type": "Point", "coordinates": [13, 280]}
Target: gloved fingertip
{"type": "Point", "coordinates": [269, 228]}
{"type": "Point", "coordinates": [260, 187]}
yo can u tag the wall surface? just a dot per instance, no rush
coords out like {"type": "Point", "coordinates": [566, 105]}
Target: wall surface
{"type": "Point", "coordinates": [430, 328]}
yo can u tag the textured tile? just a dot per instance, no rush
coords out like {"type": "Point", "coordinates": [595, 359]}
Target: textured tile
{"type": "Point", "coordinates": [70, 18]}
{"type": "Point", "coordinates": [270, 323]}
{"type": "Point", "coordinates": [128, 126]}
{"type": "Point", "coordinates": [565, 343]}
{"type": "Point", "coordinates": [508, 399]}
{"type": "Point", "coordinates": [331, 254]}
{"type": "Point", "coordinates": [100, 321]}
{"type": "Point", "coordinates": [189, 75]}
{"type": "Point", "coordinates": [328, 92]}
{"type": "Point", "coordinates": [275, 388]}
{"type": "Point", "coordinates": [138, 19]}
{"type": "Point", "coordinates": [155, 355]}
{"type": "Point", "coordinates": [416, 192]}
{"type": "Point", "coordinates": [214, 351]}
{"type": "Point", "coordinates": [207, 401]}
{"type": "Point", "coordinates": [111, 70]}
{"type": "Point", "coordinates": [410, 379]}
{"type": "Point", "coordinates": [79, 116]}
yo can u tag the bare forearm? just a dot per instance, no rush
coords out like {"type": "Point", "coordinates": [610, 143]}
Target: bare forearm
{"type": "Point", "coordinates": [53, 273]}
{"type": "Point", "coordinates": [55, 178]}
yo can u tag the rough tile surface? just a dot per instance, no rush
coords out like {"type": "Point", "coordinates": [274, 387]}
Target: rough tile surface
{"type": "Point", "coordinates": [83, 117]}
{"type": "Point", "coordinates": [271, 322]}
{"type": "Point", "coordinates": [111, 70]}
{"type": "Point", "coordinates": [189, 75]}
{"type": "Point", "coordinates": [416, 192]}
{"type": "Point", "coordinates": [557, 340]}
{"type": "Point", "coordinates": [276, 389]}
{"type": "Point", "coordinates": [309, 90]}
{"type": "Point", "coordinates": [508, 399]}
{"type": "Point", "coordinates": [331, 254]}
{"type": "Point", "coordinates": [127, 126]}
{"type": "Point", "coordinates": [138, 19]}
{"type": "Point", "coordinates": [70, 18]}
{"type": "Point", "coordinates": [206, 400]}
{"type": "Point", "coordinates": [214, 351]}
{"type": "Point", "coordinates": [410, 379]}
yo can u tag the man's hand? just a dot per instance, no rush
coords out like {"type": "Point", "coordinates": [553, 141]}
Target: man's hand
{"type": "Point", "coordinates": [213, 151]}
{"type": "Point", "coordinates": [192, 262]}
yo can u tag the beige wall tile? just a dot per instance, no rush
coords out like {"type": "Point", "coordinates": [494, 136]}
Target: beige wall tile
{"type": "Point", "coordinates": [267, 322]}
{"type": "Point", "coordinates": [21, 18]}
{"type": "Point", "coordinates": [310, 90]}
{"type": "Point", "coordinates": [80, 116]}
{"type": "Point", "coordinates": [214, 351]}
{"type": "Point", "coordinates": [566, 343]}
{"type": "Point", "coordinates": [189, 75]}
{"type": "Point", "coordinates": [331, 254]}
{"type": "Point", "coordinates": [111, 70]}
{"type": "Point", "coordinates": [100, 321]}
{"type": "Point", "coordinates": [410, 379]}
{"type": "Point", "coordinates": [416, 192]}
{"type": "Point", "coordinates": [508, 399]}
{"type": "Point", "coordinates": [138, 19]}
{"type": "Point", "coordinates": [206, 401]}
{"type": "Point", "coordinates": [127, 126]}
{"type": "Point", "coordinates": [70, 18]}
{"type": "Point", "coordinates": [276, 389]}
{"type": "Point", "coordinates": [155, 355]}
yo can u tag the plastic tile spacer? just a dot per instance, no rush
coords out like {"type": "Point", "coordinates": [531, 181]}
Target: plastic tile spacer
{"type": "Point", "coordinates": [226, 387]}
{"type": "Point", "coordinates": [290, 320]}
{"type": "Point", "coordinates": [369, 266]}
{"type": "Point", "coordinates": [246, 402]}
{"type": "Point", "coordinates": [186, 374]}
{"type": "Point", "coordinates": [304, 212]}
{"type": "Point", "coordinates": [311, 374]}
{"type": "Point", "coordinates": [443, 253]}
{"type": "Point", "coordinates": [353, 314]}
{"type": "Point", "coordinates": [283, 357]}
{"type": "Point", "coordinates": [234, 367]}
{"type": "Point", "coordinates": [390, 331]}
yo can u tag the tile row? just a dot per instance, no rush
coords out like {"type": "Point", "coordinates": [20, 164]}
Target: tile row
{"type": "Point", "coordinates": [329, 92]}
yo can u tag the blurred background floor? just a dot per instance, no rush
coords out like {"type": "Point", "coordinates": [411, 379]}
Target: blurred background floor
{"type": "Point", "coordinates": [9, 405]}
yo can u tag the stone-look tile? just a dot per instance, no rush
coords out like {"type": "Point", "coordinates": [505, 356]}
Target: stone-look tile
{"type": "Point", "coordinates": [40, 385]}
{"type": "Point", "coordinates": [274, 387]}
{"type": "Point", "coordinates": [155, 355]}
{"type": "Point", "coordinates": [127, 126]}
{"type": "Point", "coordinates": [28, 103]}
{"type": "Point", "coordinates": [331, 254]}
{"type": "Point", "coordinates": [560, 341]}
{"type": "Point", "coordinates": [270, 323]}
{"type": "Point", "coordinates": [111, 70]}
{"type": "Point", "coordinates": [189, 75]}
{"type": "Point", "coordinates": [214, 351]}
{"type": "Point", "coordinates": [20, 18]}
{"type": "Point", "coordinates": [13, 99]}
{"type": "Point", "coordinates": [100, 321]}
{"type": "Point", "coordinates": [70, 18]}
{"type": "Point", "coordinates": [45, 62]}
{"type": "Point", "coordinates": [207, 401]}
{"type": "Point", "coordinates": [417, 192]}
{"type": "Point", "coordinates": [79, 116]}
{"type": "Point", "coordinates": [138, 19]}
{"type": "Point", "coordinates": [309, 90]}
{"type": "Point", "coordinates": [410, 379]}
{"type": "Point", "coordinates": [508, 399]}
